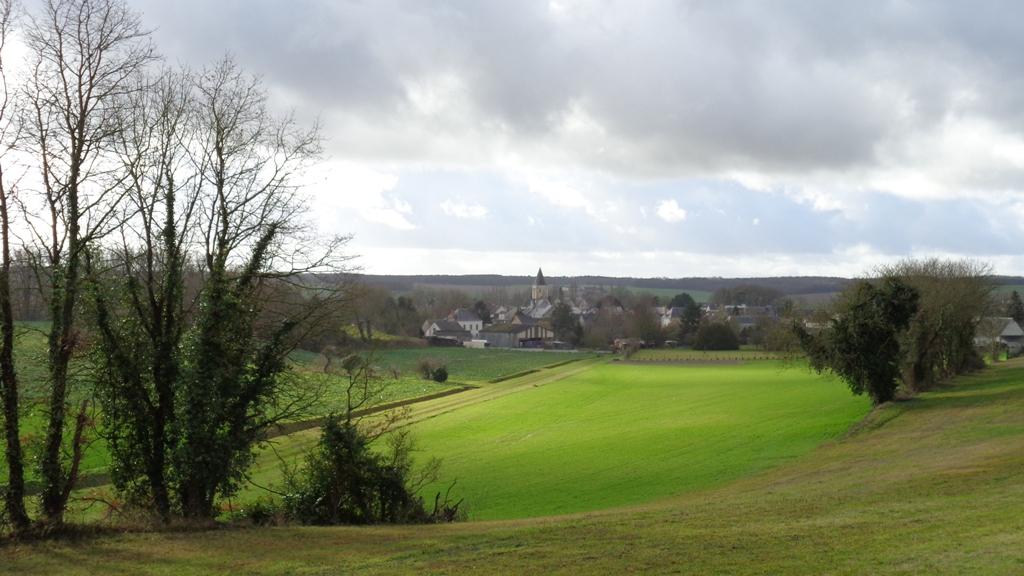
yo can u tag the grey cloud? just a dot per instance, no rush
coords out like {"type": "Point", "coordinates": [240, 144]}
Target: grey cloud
{"type": "Point", "coordinates": [680, 87]}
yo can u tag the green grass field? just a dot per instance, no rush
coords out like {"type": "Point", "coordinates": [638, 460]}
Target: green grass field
{"type": "Point", "coordinates": [625, 434]}
{"type": "Point", "coordinates": [934, 485]}
{"type": "Point", "coordinates": [473, 365]}
{"type": "Point", "coordinates": [574, 438]}
{"type": "Point", "coordinates": [466, 366]}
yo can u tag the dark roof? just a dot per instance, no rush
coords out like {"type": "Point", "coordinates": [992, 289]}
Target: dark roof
{"type": "Point", "coordinates": [463, 315]}
{"type": "Point", "coordinates": [451, 334]}
{"type": "Point", "coordinates": [506, 328]}
{"type": "Point", "coordinates": [448, 325]}
{"type": "Point", "coordinates": [540, 278]}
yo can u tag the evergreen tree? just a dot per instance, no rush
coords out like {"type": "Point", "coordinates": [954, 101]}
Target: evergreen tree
{"type": "Point", "coordinates": [1015, 307]}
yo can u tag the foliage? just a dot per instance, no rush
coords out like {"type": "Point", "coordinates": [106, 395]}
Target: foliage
{"type": "Point", "coordinates": [681, 300]}
{"type": "Point", "coordinates": [642, 323]}
{"type": "Point", "coordinates": [565, 325]}
{"type": "Point", "coordinates": [716, 336]}
{"type": "Point", "coordinates": [690, 321]}
{"type": "Point", "coordinates": [1015, 307]}
{"type": "Point", "coordinates": [194, 350]}
{"type": "Point", "coordinates": [481, 309]}
{"type": "Point", "coordinates": [344, 481]}
{"type": "Point", "coordinates": [440, 374]}
{"type": "Point", "coordinates": [426, 367]}
{"type": "Point", "coordinates": [605, 328]}
{"type": "Point", "coordinates": [954, 296]}
{"type": "Point", "coordinates": [748, 294]}
{"type": "Point", "coordinates": [862, 345]}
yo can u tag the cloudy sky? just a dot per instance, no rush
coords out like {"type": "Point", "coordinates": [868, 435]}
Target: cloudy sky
{"type": "Point", "coordinates": [648, 138]}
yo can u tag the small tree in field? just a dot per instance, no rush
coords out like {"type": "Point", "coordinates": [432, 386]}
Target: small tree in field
{"type": "Point", "coordinates": [862, 344]}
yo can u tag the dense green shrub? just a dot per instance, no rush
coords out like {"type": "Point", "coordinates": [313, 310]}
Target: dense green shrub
{"type": "Point", "coordinates": [345, 481]}
{"type": "Point", "coordinates": [716, 336]}
{"type": "Point", "coordinates": [440, 374]}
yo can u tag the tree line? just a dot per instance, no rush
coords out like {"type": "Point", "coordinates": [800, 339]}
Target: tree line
{"type": "Point", "coordinates": [909, 325]}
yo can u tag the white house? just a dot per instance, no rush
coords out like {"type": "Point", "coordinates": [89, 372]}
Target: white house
{"type": "Point", "coordinates": [1005, 330]}
{"type": "Point", "coordinates": [468, 320]}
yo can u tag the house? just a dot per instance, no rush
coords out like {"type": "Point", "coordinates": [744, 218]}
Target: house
{"type": "Point", "coordinates": [504, 314]}
{"type": "Point", "coordinates": [524, 335]}
{"type": "Point", "coordinates": [445, 328]}
{"type": "Point", "coordinates": [1006, 331]}
{"type": "Point", "coordinates": [670, 316]}
{"type": "Point", "coordinates": [467, 319]}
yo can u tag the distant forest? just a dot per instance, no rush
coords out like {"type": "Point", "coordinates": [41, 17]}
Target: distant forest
{"type": "Point", "coordinates": [791, 285]}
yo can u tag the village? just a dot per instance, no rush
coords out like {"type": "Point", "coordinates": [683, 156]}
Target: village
{"type": "Point", "coordinates": [556, 317]}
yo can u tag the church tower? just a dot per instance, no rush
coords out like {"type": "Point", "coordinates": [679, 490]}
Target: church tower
{"type": "Point", "coordinates": [540, 287]}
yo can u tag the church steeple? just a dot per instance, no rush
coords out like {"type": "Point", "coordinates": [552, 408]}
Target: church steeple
{"type": "Point", "coordinates": [540, 287]}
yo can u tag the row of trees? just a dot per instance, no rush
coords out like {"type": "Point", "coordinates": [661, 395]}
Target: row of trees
{"type": "Point", "coordinates": [159, 213]}
{"type": "Point", "coordinates": [912, 324]}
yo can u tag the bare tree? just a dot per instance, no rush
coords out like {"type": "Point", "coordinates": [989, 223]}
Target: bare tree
{"type": "Point", "coordinates": [85, 54]}
{"type": "Point", "coordinates": [193, 378]}
{"type": "Point", "coordinates": [955, 296]}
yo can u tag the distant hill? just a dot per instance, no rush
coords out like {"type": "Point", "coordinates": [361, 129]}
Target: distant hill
{"type": "Point", "coordinates": [791, 285]}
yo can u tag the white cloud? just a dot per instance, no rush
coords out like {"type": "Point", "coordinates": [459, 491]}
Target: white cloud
{"type": "Point", "coordinates": [669, 211]}
{"type": "Point", "coordinates": [463, 210]}
{"type": "Point", "coordinates": [343, 187]}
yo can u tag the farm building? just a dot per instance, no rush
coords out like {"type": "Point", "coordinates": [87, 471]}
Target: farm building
{"type": "Point", "coordinates": [517, 335]}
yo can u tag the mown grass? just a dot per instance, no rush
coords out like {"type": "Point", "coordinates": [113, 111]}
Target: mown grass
{"type": "Point", "coordinates": [930, 486]}
{"type": "Point", "coordinates": [624, 434]}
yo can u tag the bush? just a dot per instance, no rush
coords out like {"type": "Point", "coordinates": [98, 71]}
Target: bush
{"type": "Point", "coordinates": [426, 367]}
{"type": "Point", "coordinates": [345, 481]}
{"type": "Point", "coordinates": [716, 336]}
{"type": "Point", "coordinates": [441, 374]}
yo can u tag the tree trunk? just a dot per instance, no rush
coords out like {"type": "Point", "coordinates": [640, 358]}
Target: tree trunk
{"type": "Point", "coordinates": [15, 496]}
{"type": "Point", "coordinates": [61, 347]}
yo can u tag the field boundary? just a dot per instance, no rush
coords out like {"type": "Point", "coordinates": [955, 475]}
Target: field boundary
{"type": "Point", "coordinates": [690, 361]}
{"type": "Point", "coordinates": [292, 427]}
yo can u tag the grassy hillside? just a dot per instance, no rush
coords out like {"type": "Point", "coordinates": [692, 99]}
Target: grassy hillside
{"type": "Point", "coordinates": [624, 434]}
{"type": "Point", "coordinates": [464, 365]}
{"type": "Point", "coordinates": [930, 486]}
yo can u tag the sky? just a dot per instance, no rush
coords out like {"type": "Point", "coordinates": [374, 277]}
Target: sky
{"type": "Point", "coordinates": [642, 138]}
